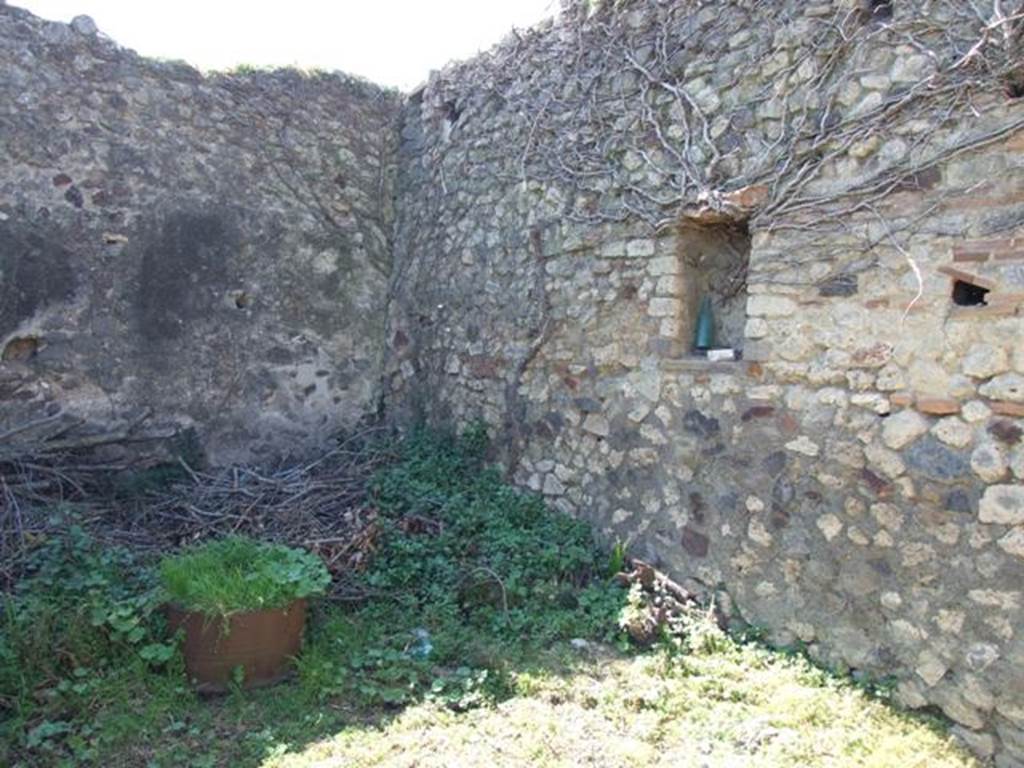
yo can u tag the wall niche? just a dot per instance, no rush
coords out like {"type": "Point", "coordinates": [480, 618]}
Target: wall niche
{"type": "Point", "coordinates": [715, 262]}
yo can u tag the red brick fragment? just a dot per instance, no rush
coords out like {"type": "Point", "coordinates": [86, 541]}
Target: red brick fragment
{"type": "Point", "coordinates": [901, 399]}
{"type": "Point", "coordinates": [1010, 255]}
{"type": "Point", "coordinates": [965, 254]}
{"type": "Point", "coordinates": [938, 406]}
{"type": "Point", "coordinates": [990, 245]}
{"type": "Point", "coordinates": [1006, 408]}
{"type": "Point", "coordinates": [967, 277]}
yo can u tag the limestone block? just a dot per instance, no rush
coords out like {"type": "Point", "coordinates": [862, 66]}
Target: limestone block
{"type": "Point", "coordinates": [950, 622]}
{"type": "Point", "coordinates": [640, 248]}
{"type": "Point", "coordinates": [985, 361]}
{"type": "Point", "coordinates": [1013, 542]}
{"type": "Point", "coordinates": [953, 431]}
{"type": "Point", "coordinates": [664, 265]}
{"type": "Point", "coordinates": [989, 462]}
{"type": "Point", "coordinates": [1002, 504]}
{"type": "Point", "coordinates": [870, 102]}
{"type": "Point", "coordinates": [1005, 760]}
{"type": "Point", "coordinates": [981, 744]}
{"type": "Point", "coordinates": [910, 695]}
{"type": "Point", "coordinates": [597, 424]}
{"type": "Point", "coordinates": [975, 411]}
{"type": "Point", "coordinates": [796, 344]}
{"type": "Point", "coordinates": [871, 401]}
{"type": "Point", "coordinates": [830, 526]}
{"type": "Point", "coordinates": [859, 380]}
{"type": "Point", "coordinates": [84, 25]}
{"type": "Point", "coordinates": [1008, 386]}
{"type": "Point", "coordinates": [960, 711]}
{"type": "Point", "coordinates": [756, 328]}
{"type": "Point", "coordinates": [995, 598]}
{"type": "Point", "coordinates": [804, 445]}
{"type": "Point", "coordinates": [930, 667]}
{"type": "Point", "coordinates": [876, 82]}
{"type": "Point", "coordinates": [916, 554]}
{"type": "Point", "coordinates": [891, 600]}
{"type": "Point", "coordinates": [1012, 738]}
{"type": "Point", "coordinates": [1011, 709]}
{"type": "Point", "coordinates": [887, 515]}
{"type": "Point", "coordinates": [1017, 462]}
{"type": "Point", "coordinates": [670, 327]}
{"type": "Point", "coordinates": [662, 307]}
{"type": "Point", "coordinates": [864, 149]}
{"type": "Point", "coordinates": [890, 378]}
{"type": "Point", "coordinates": [980, 656]}
{"type": "Point", "coordinates": [929, 378]}
{"type": "Point", "coordinates": [903, 428]}
{"type": "Point", "coordinates": [553, 486]}
{"type": "Point", "coordinates": [857, 536]}
{"type": "Point", "coordinates": [763, 305]}
{"type": "Point", "coordinates": [758, 533]}
{"type": "Point", "coordinates": [961, 387]}
{"type": "Point", "coordinates": [912, 69]}
{"type": "Point", "coordinates": [612, 249]}
{"type": "Point", "coordinates": [887, 462]}
{"type": "Point", "coordinates": [669, 285]}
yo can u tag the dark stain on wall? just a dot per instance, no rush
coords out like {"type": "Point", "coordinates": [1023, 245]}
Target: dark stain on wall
{"type": "Point", "coordinates": [184, 272]}
{"type": "Point", "coordinates": [34, 271]}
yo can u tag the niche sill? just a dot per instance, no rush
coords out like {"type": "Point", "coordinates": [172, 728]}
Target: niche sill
{"type": "Point", "coordinates": [1007, 307]}
{"type": "Point", "coordinates": [695, 364]}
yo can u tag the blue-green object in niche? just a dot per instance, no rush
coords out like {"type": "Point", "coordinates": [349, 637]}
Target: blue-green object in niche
{"type": "Point", "coordinates": [704, 338]}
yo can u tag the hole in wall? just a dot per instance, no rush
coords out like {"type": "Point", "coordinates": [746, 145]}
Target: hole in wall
{"type": "Point", "coordinates": [967, 294]}
{"type": "Point", "coordinates": [20, 349]}
{"type": "Point", "coordinates": [876, 10]}
{"type": "Point", "coordinates": [1015, 85]}
{"type": "Point", "coordinates": [239, 299]}
{"type": "Point", "coordinates": [452, 113]}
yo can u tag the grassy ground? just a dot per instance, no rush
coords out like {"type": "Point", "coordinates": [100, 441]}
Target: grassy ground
{"type": "Point", "coordinates": [489, 631]}
{"type": "Point", "coordinates": [715, 703]}
{"type": "Point", "coordinates": [728, 705]}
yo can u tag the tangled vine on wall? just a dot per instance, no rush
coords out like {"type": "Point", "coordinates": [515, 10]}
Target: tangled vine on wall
{"type": "Point", "coordinates": [650, 134]}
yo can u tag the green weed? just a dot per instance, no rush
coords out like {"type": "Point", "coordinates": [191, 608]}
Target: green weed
{"type": "Point", "coordinates": [235, 573]}
{"type": "Point", "coordinates": [470, 600]}
{"type": "Point", "coordinates": [85, 620]}
{"type": "Point", "coordinates": [460, 545]}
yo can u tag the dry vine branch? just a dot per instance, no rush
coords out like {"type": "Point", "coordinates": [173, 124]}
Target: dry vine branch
{"type": "Point", "coordinates": [610, 114]}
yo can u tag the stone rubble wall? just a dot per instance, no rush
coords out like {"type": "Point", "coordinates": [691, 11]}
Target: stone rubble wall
{"type": "Point", "coordinates": [855, 483]}
{"type": "Point", "coordinates": [523, 241]}
{"type": "Point", "coordinates": [214, 250]}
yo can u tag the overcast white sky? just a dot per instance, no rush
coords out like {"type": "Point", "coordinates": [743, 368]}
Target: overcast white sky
{"type": "Point", "coordinates": [392, 42]}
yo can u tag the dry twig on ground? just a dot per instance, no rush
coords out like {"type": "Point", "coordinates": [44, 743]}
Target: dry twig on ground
{"type": "Point", "coordinates": [319, 503]}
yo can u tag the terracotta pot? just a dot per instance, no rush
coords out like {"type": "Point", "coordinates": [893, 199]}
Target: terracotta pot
{"type": "Point", "coordinates": [262, 643]}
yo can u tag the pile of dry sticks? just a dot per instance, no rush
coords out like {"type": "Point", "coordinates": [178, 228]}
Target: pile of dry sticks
{"type": "Point", "coordinates": [54, 470]}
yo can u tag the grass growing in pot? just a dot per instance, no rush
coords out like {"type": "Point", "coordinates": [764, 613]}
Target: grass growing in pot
{"type": "Point", "coordinates": [241, 605]}
{"type": "Point", "coordinates": [237, 574]}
